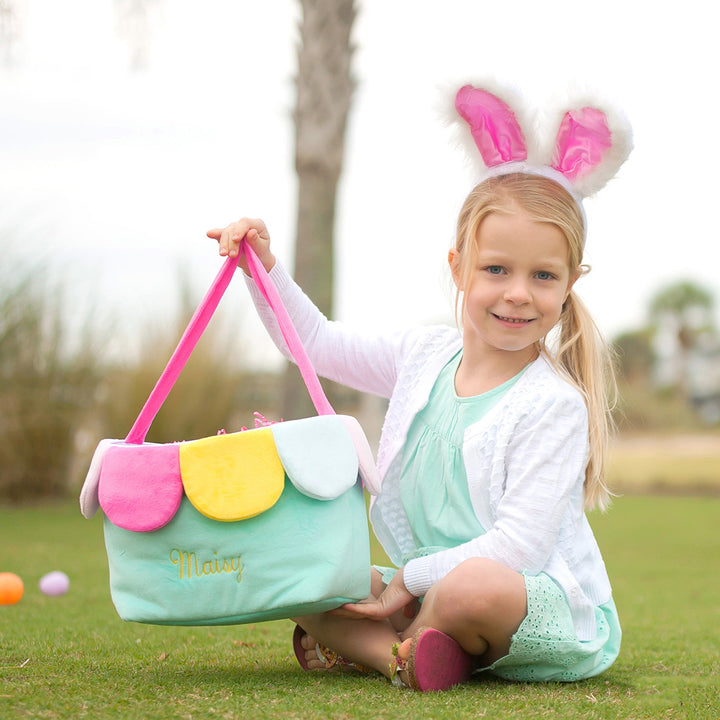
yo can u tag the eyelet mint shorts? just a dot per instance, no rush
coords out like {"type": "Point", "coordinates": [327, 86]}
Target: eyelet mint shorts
{"type": "Point", "coordinates": [545, 646]}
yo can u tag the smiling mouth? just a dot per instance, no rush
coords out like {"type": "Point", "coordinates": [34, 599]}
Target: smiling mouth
{"type": "Point", "coordinates": [513, 321]}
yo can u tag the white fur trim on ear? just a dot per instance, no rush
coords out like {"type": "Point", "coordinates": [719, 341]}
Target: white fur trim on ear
{"type": "Point", "coordinates": [615, 156]}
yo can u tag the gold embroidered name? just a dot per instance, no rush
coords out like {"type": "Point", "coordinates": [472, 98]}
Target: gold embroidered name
{"type": "Point", "coordinates": [189, 566]}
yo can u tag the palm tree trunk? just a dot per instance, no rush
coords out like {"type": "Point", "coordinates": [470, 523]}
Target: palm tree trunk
{"type": "Point", "coordinates": [324, 94]}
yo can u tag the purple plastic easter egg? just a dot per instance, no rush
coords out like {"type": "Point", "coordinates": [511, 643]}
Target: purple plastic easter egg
{"type": "Point", "coordinates": [54, 583]}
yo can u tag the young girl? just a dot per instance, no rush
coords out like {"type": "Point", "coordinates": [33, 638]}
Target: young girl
{"type": "Point", "coordinates": [493, 444]}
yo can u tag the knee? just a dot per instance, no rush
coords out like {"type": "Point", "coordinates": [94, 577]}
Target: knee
{"type": "Point", "coordinates": [475, 588]}
{"type": "Point", "coordinates": [481, 576]}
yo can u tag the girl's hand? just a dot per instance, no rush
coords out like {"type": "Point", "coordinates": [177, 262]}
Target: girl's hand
{"type": "Point", "coordinates": [394, 598]}
{"type": "Point", "coordinates": [254, 232]}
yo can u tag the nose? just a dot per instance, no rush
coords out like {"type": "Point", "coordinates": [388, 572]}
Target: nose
{"type": "Point", "coordinates": [517, 291]}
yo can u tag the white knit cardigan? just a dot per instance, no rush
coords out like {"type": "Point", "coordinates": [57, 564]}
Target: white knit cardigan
{"type": "Point", "coordinates": [525, 460]}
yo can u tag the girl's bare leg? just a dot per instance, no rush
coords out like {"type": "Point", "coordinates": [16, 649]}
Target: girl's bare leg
{"type": "Point", "coordinates": [367, 642]}
{"type": "Point", "coordinates": [480, 604]}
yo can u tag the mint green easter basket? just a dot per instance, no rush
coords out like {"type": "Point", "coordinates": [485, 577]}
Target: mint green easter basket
{"type": "Point", "coordinates": [258, 525]}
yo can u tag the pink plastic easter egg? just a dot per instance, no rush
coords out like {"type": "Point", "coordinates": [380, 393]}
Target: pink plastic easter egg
{"type": "Point", "coordinates": [54, 583]}
{"type": "Point", "coordinates": [11, 588]}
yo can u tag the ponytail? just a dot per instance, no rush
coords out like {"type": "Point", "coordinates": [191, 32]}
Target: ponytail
{"type": "Point", "coordinates": [586, 359]}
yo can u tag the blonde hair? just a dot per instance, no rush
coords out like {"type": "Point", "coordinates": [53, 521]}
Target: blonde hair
{"type": "Point", "coordinates": [581, 354]}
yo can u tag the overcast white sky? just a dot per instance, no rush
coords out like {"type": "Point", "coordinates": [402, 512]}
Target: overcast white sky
{"type": "Point", "coordinates": [118, 174]}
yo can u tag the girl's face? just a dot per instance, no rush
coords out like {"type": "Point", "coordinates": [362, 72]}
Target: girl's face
{"type": "Point", "coordinates": [517, 287]}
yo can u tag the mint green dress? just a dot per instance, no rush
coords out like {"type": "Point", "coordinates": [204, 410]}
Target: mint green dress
{"type": "Point", "coordinates": [436, 499]}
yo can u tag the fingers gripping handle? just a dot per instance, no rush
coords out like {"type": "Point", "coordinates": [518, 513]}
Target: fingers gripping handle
{"type": "Point", "coordinates": [196, 327]}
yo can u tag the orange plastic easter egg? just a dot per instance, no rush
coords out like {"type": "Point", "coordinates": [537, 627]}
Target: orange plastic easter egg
{"type": "Point", "coordinates": [11, 588]}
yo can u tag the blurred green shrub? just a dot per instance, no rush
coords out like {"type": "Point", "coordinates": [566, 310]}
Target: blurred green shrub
{"type": "Point", "coordinates": [44, 387]}
{"type": "Point", "coordinates": [214, 392]}
{"type": "Point", "coordinates": [60, 394]}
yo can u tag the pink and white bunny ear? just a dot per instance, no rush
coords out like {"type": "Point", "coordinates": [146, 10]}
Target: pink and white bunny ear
{"type": "Point", "coordinates": [590, 146]}
{"type": "Point", "coordinates": [493, 124]}
{"type": "Point", "coordinates": [584, 149]}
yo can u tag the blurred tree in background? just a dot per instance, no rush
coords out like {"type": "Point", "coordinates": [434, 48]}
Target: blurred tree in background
{"type": "Point", "coordinates": [686, 344]}
{"type": "Point", "coordinates": [324, 95]}
{"type": "Point", "coordinates": [325, 87]}
{"type": "Point", "coordinates": [670, 369]}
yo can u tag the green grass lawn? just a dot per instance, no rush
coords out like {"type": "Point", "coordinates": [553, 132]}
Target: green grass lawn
{"type": "Point", "coordinates": [71, 657]}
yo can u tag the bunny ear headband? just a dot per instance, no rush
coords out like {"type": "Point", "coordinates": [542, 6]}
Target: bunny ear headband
{"type": "Point", "coordinates": [590, 144]}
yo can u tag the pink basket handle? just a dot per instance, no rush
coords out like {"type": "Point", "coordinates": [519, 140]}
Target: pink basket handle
{"type": "Point", "coordinates": [197, 326]}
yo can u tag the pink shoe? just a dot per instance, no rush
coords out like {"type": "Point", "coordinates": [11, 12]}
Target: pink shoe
{"type": "Point", "coordinates": [437, 662]}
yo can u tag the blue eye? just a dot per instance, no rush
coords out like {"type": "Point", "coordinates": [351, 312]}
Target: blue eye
{"type": "Point", "coordinates": [494, 269]}
{"type": "Point", "coordinates": [544, 275]}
